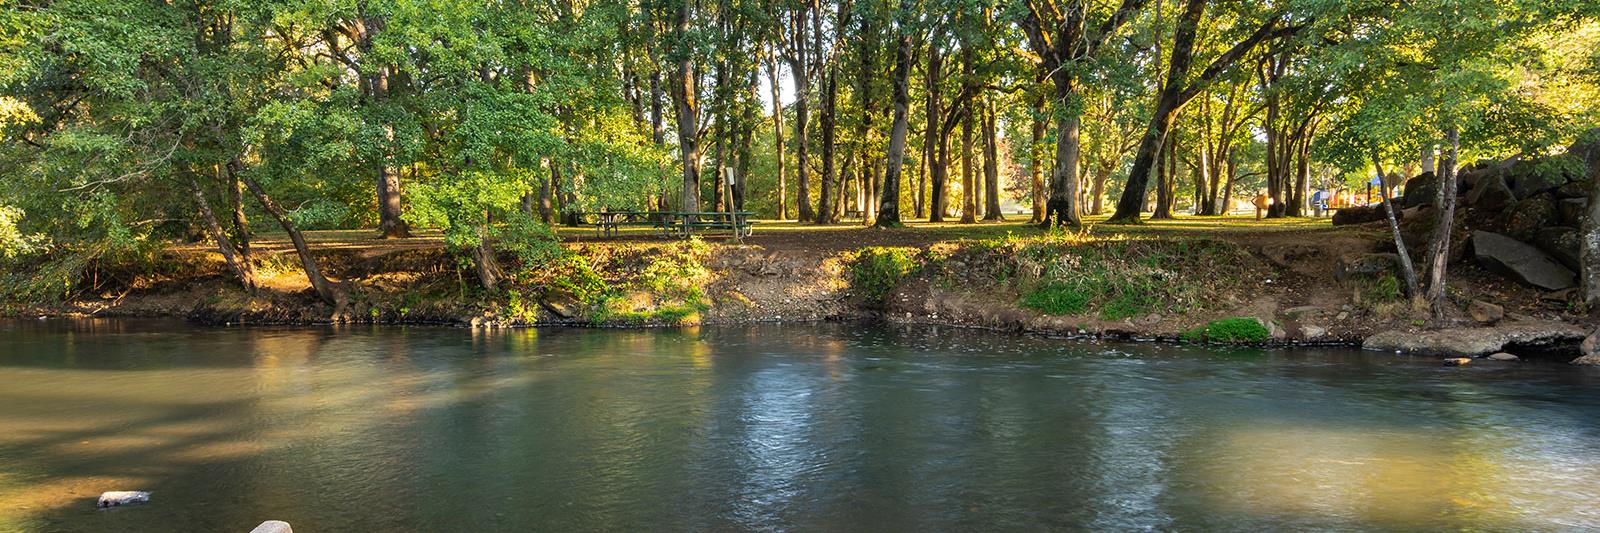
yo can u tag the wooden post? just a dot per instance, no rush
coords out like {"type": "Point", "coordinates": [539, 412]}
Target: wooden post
{"type": "Point", "coordinates": [733, 213]}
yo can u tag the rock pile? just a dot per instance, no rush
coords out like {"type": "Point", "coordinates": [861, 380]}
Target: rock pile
{"type": "Point", "coordinates": [1520, 217]}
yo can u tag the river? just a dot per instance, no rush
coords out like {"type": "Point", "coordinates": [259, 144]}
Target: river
{"type": "Point", "coordinates": [844, 427]}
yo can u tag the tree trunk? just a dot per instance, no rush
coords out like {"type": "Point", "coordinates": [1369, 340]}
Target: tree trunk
{"type": "Point", "coordinates": [969, 189]}
{"type": "Point", "coordinates": [1063, 204]}
{"type": "Point", "coordinates": [1164, 189]}
{"type": "Point", "coordinates": [1130, 205]}
{"type": "Point", "coordinates": [326, 290]}
{"type": "Point", "coordinates": [1408, 271]}
{"type": "Point", "coordinates": [237, 261]}
{"type": "Point", "coordinates": [825, 119]}
{"type": "Point", "coordinates": [241, 225]}
{"type": "Point", "coordinates": [777, 141]}
{"type": "Point", "coordinates": [685, 97]}
{"type": "Point", "coordinates": [1439, 245]}
{"type": "Point", "coordinates": [484, 258]}
{"type": "Point", "coordinates": [1036, 161]}
{"type": "Point", "coordinates": [937, 146]}
{"type": "Point", "coordinates": [991, 166]}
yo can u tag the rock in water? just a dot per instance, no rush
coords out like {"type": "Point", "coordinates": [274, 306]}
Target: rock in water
{"type": "Point", "coordinates": [273, 526]}
{"type": "Point", "coordinates": [121, 497]}
{"type": "Point", "coordinates": [1502, 356]}
{"type": "Point", "coordinates": [1457, 361]}
{"type": "Point", "coordinates": [1521, 261]}
{"type": "Point", "coordinates": [1587, 360]}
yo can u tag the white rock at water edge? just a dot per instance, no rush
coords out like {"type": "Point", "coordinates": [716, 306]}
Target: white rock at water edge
{"type": "Point", "coordinates": [122, 497]}
{"type": "Point", "coordinates": [273, 526]}
{"type": "Point", "coordinates": [1502, 356]}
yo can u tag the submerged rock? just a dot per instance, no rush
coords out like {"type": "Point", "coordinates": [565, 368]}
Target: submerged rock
{"type": "Point", "coordinates": [1521, 261]}
{"type": "Point", "coordinates": [122, 497]}
{"type": "Point", "coordinates": [1457, 361]}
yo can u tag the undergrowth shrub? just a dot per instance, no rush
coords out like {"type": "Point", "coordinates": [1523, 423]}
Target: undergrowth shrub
{"type": "Point", "coordinates": [876, 271]}
{"type": "Point", "coordinates": [1236, 330]}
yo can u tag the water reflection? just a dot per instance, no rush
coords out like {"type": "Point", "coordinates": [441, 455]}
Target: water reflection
{"type": "Point", "coordinates": [771, 428]}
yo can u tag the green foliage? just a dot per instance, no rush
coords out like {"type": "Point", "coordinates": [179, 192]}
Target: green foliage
{"type": "Point", "coordinates": [1236, 330]}
{"type": "Point", "coordinates": [875, 272]}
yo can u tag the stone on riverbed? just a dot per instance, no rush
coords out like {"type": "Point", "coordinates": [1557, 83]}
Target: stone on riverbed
{"type": "Point", "coordinates": [1457, 361]}
{"type": "Point", "coordinates": [273, 526]}
{"type": "Point", "coordinates": [1476, 341]}
{"type": "Point", "coordinates": [121, 497]}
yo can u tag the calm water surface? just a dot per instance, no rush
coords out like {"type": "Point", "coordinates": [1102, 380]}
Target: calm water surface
{"type": "Point", "coordinates": [827, 427]}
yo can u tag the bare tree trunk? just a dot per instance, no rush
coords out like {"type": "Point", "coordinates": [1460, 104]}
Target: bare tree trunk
{"type": "Point", "coordinates": [484, 259]}
{"type": "Point", "coordinates": [969, 188]}
{"type": "Point", "coordinates": [777, 141]}
{"type": "Point", "coordinates": [241, 225]}
{"type": "Point", "coordinates": [935, 144]}
{"type": "Point", "coordinates": [325, 289]}
{"type": "Point", "coordinates": [1439, 246]}
{"type": "Point", "coordinates": [1036, 163]}
{"type": "Point", "coordinates": [991, 166]}
{"type": "Point", "coordinates": [237, 261]}
{"type": "Point", "coordinates": [1164, 189]}
{"type": "Point", "coordinates": [1408, 271]}
{"type": "Point", "coordinates": [685, 97]}
{"type": "Point", "coordinates": [825, 119]}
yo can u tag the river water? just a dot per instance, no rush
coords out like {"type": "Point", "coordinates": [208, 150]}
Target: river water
{"type": "Point", "coordinates": [770, 428]}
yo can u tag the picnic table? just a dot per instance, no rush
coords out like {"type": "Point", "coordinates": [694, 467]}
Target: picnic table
{"type": "Point", "coordinates": [674, 223]}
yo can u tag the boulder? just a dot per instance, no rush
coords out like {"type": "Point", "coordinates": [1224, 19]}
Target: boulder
{"type": "Point", "coordinates": [1485, 312]}
{"type": "Point", "coordinates": [1457, 361]}
{"type": "Point", "coordinates": [1587, 360]}
{"type": "Point", "coordinates": [273, 526]}
{"type": "Point", "coordinates": [1521, 261]}
{"type": "Point", "coordinates": [1490, 193]}
{"type": "Point", "coordinates": [1531, 177]}
{"type": "Point", "coordinates": [1587, 151]}
{"type": "Point", "coordinates": [1562, 243]}
{"type": "Point", "coordinates": [1419, 190]}
{"type": "Point", "coordinates": [1365, 265]}
{"type": "Point", "coordinates": [1458, 342]}
{"type": "Point", "coordinates": [1576, 189]}
{"type": "Point", "coordinates": [1570, 211]}
{"type": "Point", "coordinates": [1502, 356]}
{"type": "Point", "coordinates": [1361, 215]}
{"type": "Point", "coordinates": [1313, 332]}
{"type": "Point", "coordinates": [121, 497]}
{"type": "Point", "coordinates": [1527, 216]}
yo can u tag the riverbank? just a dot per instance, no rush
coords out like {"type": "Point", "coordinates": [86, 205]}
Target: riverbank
{"type": "Point", "coordinates": [1284, 283]}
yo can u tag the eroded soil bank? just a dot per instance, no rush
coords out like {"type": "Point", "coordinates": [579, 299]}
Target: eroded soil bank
{"type": "Point", "coordinates": [1324, 286]}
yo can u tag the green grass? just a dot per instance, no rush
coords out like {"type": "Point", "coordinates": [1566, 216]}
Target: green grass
{"type": "Point", "coordinates": [1236, 330]}
{"type": "Point", "coordinates": [1058, 298]}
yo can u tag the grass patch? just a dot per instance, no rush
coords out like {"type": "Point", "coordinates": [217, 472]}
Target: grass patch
{"type": "Point", "coordinates": [1058, 298]}
{"type": "Point", "coordinates": [1236, 330]}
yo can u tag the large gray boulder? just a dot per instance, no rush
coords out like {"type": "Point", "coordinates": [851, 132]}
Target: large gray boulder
{"type": "Point", "coordinates": [1571, 211]}
{"type": "Point", "coordinates": [1521, 261]}
{"type": "Point", "coordinates": [1469, 342]}
{"type": "Point", "coordinates": [1362, 214]}
{"type": "Point", "coordinates": [1562, 243]}
{"type": "Point", "coordinates": [1419, 190]}
{"type": "Point", "coordinates": [1490, 193]}
{"type": "Point", "coordinates": [1523, 220]}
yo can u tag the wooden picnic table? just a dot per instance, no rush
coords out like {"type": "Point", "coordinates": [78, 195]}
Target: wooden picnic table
{"type": "Point", "coordinates": [672, 223]}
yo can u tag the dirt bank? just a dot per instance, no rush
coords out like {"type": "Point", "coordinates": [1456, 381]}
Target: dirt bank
{"type": "Point", "coordinates": [1313, 286]}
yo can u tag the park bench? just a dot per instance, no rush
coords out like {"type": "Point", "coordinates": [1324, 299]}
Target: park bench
{"type": "Point", "coordinates": [686, 223]}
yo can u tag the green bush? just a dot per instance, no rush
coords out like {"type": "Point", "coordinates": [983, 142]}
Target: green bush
{"type": "Point", "coordinates": [1235, 330]}
{"type": "Point", "coordinates": [875, 272]}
